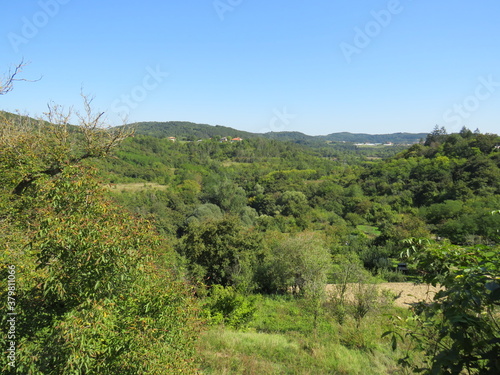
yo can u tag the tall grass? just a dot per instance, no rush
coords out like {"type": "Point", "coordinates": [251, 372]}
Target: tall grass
{"type": "Point", "coordinates": [281, 340]}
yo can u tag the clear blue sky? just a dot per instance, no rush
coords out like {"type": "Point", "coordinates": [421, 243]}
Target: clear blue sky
{"type": "Point", "coordinates": [282, 65]}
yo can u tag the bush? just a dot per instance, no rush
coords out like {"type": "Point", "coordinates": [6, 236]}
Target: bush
{"type": "Point", "coordinates": [459, 329]}
{"type": "Point", "coordinates": [226, 306]}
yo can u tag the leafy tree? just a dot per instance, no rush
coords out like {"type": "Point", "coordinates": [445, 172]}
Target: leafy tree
{"type": "Point", "coordinates": [220, 252]}
{"type": "Point", "coordinates": [206, 211]}
{"type": "Point", "coordinates": [293, 203]}
{"type": "Point", "coordinates": [294, 262]}
{"type": "Point", "coordinates": [224, 193]}
{"type": "Point", "coordinates": [460, 330]}
{"type": "Point", "coordinates": [436, 136]}
{"type": "Point", "coordinates": [95, 291]}
{"type": "Point", "coordinates": [298, 263]}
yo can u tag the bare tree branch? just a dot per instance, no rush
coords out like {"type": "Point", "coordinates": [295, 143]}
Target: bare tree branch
{"type": "Point", "coordinates": [7, 84]}
{"type": "Point", "coordinates": [66, 145]}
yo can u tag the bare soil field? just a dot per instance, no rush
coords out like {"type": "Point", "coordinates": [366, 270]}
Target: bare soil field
{"type": "Point", "coordinates": [406, 293]}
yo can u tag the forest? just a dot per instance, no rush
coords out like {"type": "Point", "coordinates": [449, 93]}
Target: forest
{"type": "Point", "coordinates": [133, 253]}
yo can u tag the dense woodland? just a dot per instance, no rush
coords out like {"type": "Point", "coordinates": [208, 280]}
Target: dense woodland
{"type": "Point", "coordinates": [138, 254]}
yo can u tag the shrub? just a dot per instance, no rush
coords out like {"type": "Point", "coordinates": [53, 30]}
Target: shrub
{"type": "Point", "coordinates": [226, 306]}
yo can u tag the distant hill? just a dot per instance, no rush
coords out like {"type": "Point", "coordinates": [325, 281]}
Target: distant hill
{"type": "Point", "coordinates": [191, 130]}
{"type": "Point", "coordinates": [16, 117]}
{"type": "Point", "coordinates": [291, 136]}
{"type": "Point", "coordinates": [188, 130]}
{"type": "Point", "coordinates": [398, 138]}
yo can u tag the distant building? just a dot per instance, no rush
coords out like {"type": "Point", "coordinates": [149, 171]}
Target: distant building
{"type": "Point", "coordinates": [237, 139]}
{"type": "Point", "coordinates": [173, 139]}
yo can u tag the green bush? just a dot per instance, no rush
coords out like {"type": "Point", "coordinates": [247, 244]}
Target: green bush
{"type": "Point", "coordinates": [226, 306]}
{"type": "Point", "coordinates": [459, 328]}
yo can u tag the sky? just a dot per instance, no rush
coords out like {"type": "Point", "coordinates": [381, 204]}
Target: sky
{"type": "Point", "coordinates": [316, 67]}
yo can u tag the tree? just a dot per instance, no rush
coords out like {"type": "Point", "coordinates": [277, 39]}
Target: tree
{"type": "Point", "coordinates": [293, 203]}
{"type": "Point", "coordinates": [95, 289]}
{"type": "Point", "coordinates": [224, 193]}
{"type": "Point", "coordinates": [220, 251]}
{"type": "Point", "coordinates": [34, 149]}
{"type": "Point", "coordinates": [298, 263]}
{"type": "Point", "coordinates": [7, 83]}
{"type": "Point", "coordinates": [465, 132]}
{"type": "Point", "coordinates": [436, 136]}
{"type": "Point", "coordinates": [294, 262]}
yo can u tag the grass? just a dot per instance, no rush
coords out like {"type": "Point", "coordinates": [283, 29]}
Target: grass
{"type": "Point", "coordinates": [281, 340]}
{"type": "Point", "coordinates": [369, 230]}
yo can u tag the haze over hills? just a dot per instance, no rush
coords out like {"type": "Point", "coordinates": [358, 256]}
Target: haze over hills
{"type": "Point", "coordinates": [191, 131]}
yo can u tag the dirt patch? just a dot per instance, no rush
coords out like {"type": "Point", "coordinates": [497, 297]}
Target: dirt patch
{"type": "Point", "coordinates": [405, 294]}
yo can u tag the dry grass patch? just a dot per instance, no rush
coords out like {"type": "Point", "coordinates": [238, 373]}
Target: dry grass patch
{"type": "Point", "coordinates": [405, 294]}
{"type": "Point", "coordinates": [136, 186]}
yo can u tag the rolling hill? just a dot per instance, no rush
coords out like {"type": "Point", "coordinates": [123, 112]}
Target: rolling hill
{"type": "Point", "coordinates": [192, 131]}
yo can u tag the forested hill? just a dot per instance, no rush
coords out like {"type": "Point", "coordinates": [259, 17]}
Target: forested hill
{"type": "Point", "coordinates": [400, 138]}
{"type": "Point", "coordinates": [192, 131]}
{"type": "Point", "coordinates": [448, 185]}
{"type": "Point", "coordinates": [184, 130]}
{"type": "Point", "coordinates": [187, 130]}
{"type": "Point", "coordinates": [396, 138]}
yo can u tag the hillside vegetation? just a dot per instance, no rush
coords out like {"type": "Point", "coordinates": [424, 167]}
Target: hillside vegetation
{"type": "Point", "coordinates": [263, 216]}
{"type": "Point", "coordinates": [191, 131]}
{"type": "Point", "coordinates": [141, 254]}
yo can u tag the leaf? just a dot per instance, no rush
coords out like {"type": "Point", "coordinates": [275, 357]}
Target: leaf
{"type": "Point", "coordinates": [492, 286]}
{"type": "Point", "coordinates": [394, 343]}
{"type": "Point", "coordinates": [495, 295]}
{"type": "Point", "coordinates": [387, 333]}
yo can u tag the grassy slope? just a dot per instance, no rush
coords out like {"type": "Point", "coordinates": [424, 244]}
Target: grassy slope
{"type": "Point", "coordinates": [281, 340]}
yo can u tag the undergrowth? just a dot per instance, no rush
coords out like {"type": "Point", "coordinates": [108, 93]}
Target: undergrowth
{"type": "Point", "coordinates": [281, 340]}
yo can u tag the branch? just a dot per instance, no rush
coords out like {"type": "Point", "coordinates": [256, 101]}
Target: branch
{"type": "Point", "coordinates": [66, 148]}
{"type": "Point", "coordinates": [29, 179]}
{"type": "Point", "coordinates": [8, 84]}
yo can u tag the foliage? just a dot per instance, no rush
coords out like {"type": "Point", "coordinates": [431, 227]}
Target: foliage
{"type": "Point", "coordinates": [96, 292]}
{"type": "Point", "coordinates": [220, 252]}
{"type": "Point", "coordinates": [226, 306]}
{"type": "Point", "coordinates": [460, 328]}
{"type": "Point", "coordinates": [299, 263]}
{"type": "Point", "coordinates": [280, 341]}
{"type": "Point", "coordinates": [258, 215]}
